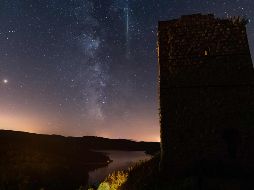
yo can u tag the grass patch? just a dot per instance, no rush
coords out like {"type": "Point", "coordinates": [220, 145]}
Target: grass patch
{"type": "Point", "coordinates": [144, 175]}
{"type": "Point", "coordinates": [114, 181]}
{"type": "Point", "coordinates": [133, 178]}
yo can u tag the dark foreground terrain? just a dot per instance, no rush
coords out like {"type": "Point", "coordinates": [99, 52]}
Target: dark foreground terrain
{"type": "Point", "coordinates": [33, 161]}
{"type": "Point", "coordinates": [209, 176]}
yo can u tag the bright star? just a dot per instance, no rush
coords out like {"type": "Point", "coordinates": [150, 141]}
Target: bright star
{"type": "Point", "coordinates": [5, 81]}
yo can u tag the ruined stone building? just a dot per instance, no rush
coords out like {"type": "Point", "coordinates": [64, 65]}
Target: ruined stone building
{"type": "Point", "coordinates": [206, 90]}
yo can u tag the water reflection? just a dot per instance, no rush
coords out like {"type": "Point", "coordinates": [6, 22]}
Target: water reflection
{"type": "Point", "coordinates": [121, 160]}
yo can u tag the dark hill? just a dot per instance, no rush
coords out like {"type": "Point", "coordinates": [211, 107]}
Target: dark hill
{"type": "Point", "coordinates": [51, 142]}
{"type": "Point", "coordinates": [33, 161]}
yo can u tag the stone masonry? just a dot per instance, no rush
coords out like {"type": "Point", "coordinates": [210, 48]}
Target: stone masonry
{"type": "Point", "coordinates": [206, 88]}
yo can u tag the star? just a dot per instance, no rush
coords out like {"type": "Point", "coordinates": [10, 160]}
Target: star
{"type": "Point", "coordinates": [5, 81]}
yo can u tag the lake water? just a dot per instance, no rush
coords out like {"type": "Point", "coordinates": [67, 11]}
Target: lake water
{"type": "Point", "coordinates": [121, 160]}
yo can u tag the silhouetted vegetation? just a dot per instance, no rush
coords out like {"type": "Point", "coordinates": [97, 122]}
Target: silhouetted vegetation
{"type": "Point", "coordinates": [203, 176]}
{"type": "Point", "coordinates": [33, 161]}
{"type": "Point", "coordinates": [144, 175]}
{"type": "Point", "coordinates": [240, 20]}
{"type": "Point", "coordinates": [135, 177]}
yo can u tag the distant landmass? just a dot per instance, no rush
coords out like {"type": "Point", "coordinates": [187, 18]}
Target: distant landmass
{"type": "Point", "coordinates": [34, 161]}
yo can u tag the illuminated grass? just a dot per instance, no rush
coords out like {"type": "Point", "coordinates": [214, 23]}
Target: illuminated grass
{"type": "Point", "coordinates": [132, 177]}
{"type": "Point", "coordinates": [114, 181]}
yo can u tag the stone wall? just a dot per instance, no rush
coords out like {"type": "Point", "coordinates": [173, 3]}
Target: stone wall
{"type": "Point", "coordinates": [206, 89]}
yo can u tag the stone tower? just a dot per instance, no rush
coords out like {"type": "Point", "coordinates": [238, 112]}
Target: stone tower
{"type": "Point", "coordinates": [206, 89]}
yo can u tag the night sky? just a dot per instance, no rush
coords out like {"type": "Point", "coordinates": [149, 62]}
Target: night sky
{"type": "Point", "coordinates": [89, 67]}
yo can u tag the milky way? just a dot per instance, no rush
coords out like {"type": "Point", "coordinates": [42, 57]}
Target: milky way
{"type": "Point", "coordinates": [92, 74]}
{"type": "Point", "coordinates": [83, 67]}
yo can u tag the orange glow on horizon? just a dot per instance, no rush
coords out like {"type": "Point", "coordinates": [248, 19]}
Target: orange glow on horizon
{"type": "Point", "coordinates": [141, 128]}
{"type": "Point", "coordinates": [20, 123]}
